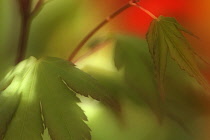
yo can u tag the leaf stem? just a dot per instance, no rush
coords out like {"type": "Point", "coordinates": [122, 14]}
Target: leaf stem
{"type": "Point", "coordinates": [145, 10]}
{"type": "Point", "coordinates": [39, 6]}
{"type": "Point", "coordinates": [100, 25]}
{"type": "Point", "coordinates": [92, 51]}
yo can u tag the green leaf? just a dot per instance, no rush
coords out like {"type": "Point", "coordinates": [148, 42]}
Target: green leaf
{"type": "Point", "coordinates": [165, 36]}
{"type": "Point", "coordinates": [23, 120]}
{"type": "Point", "coordinates": [82, 83]}
{"type": "Point", "coordinates": [132, 57]}
{"type": "Point", "coordinates": [10, 94]}
{"type": "Point", "coordinates": [159, 50]}
{"type": "Point", "coordinates": [42, 93]}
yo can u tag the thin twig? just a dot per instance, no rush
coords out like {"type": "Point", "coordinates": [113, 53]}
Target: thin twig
{"type": "Point", "coordinates": [104, 22]}
{"type": "Point", "coordinates": [39, 6]}
{"type": "Point", "coordinates": [92, 51]}
{"type": "Point", "coordinates": [145, 10]}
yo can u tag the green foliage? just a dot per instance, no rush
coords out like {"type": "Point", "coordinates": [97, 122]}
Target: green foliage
{"type": "Point", "coordinates": [165, 38]}
{"type": "Point", "coordinates": [182, 102]}
{"type": "Point", "coordinates": [40, 94]}
{"type": "Point", "coordinates": [132, 57]}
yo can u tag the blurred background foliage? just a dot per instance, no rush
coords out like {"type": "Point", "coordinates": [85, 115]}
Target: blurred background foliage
{"type": "Point", "coordinates": [63, 23]}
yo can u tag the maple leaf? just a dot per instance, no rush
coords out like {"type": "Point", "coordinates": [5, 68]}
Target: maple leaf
{"type": "Point", "coordinates": [165, 38]}
{"type": "Point", "coordinates": [40, 94]}
{"type": "Point", "coordinates": [132, 57]}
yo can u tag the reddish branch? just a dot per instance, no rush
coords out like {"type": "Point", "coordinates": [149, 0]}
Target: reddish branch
{"type": "Point", "coordinates": [105, 21]}
{"type": "Point", "coordinates": [26, 19]}
{"type": "Point", "coordinates": [92, 51]}
{"type": "Point", "coordinates": [25, 7]}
